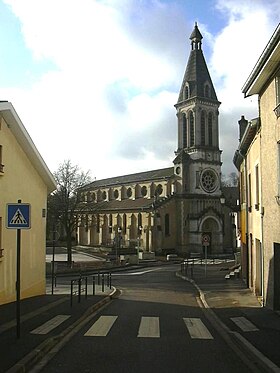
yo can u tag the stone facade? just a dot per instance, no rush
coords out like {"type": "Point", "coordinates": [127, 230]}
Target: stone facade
{"type": "Point", "coordinates": [174, 208]}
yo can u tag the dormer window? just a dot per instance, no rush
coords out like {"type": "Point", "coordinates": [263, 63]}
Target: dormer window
{"type": "Point", "coordinates": [206, 90]}
{"type": "Point", "coordinates": [186, 92]}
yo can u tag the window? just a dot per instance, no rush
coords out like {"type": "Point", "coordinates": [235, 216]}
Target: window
{"type": "Point", "coordinates": [110, 223]}
{"type": "Point", "coordinates": [210, 129]}
{"type": "Point", "coordinates": [116, 194]}
{"type": "Point", "coordinates": [186, 92]}
{"type": "Point", "coordinates": [98, 223]}
{"type": "Point", "coordinates": [124, 223]}
{"type": "Point", "coordinates": [206, 90]}
{"type": "Point", "coordinates": [144, 191]}
{"type": "Point", "coordinates": [184, 126]}
{"type": "Point", "coordinates": [203, 128]}
{"type": "Point", "coordinates": [129, 192]}
{"type": "Point", "coordinates": [104, 195]}
{"type": "Point", "coordinates": [166, 225]}
{"type": "Point", "coordinates": [249, 193]}
{"type": "Point", "coordinates": [191, 120]}
{"type": "Point", "coordinates": [257, 187]}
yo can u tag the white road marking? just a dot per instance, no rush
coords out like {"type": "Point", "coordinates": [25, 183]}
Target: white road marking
{"type": "Point", "coordinates": [149, 327]}
{"type": "Point", "coordinates": [136, 273]}
{"type": "Point", "coordinates": [50, 325]}
{"type": "Point", "coordinates": [244, 324]}
{"type": "Point", "coordinates": [197, 329]}
{"type": "Point", "coordinates": [101, 327]}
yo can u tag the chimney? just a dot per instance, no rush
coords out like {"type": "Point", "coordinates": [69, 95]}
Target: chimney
{"type": "Point", "coordinates": [242, 126]}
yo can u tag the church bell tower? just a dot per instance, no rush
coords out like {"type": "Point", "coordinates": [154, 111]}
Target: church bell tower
{"type": "Point", "coordinates": [198, 158]}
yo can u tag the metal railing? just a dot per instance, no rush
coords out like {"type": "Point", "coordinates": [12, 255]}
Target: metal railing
{"type": "Point", "coordinates": [79, 285]}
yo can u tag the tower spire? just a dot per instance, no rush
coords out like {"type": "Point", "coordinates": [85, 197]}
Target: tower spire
{"type": "Point", "coordinates": [196, 38]}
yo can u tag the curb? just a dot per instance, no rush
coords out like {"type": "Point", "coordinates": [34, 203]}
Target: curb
{"type": "Point", "coordinates": [35, 356]}
{"type": "Point", "coordinates": [253, 358]}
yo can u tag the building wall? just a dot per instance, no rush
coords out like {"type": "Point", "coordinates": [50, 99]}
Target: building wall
{"type": "Point", "coordinates": [254, 216]}
{"type": "Point", "coordinates": [20, 180]}
{"type": "Point", "coordinates": [270, 175]}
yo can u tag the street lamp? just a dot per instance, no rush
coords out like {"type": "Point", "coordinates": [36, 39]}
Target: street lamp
{"type": "Point", "coordinates": [140, 228]}
{"type": "Point", "coordinates": [118, 242]}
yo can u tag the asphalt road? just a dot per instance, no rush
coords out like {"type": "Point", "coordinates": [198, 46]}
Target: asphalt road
{"type": "Point", "coordinates": [156, 325]}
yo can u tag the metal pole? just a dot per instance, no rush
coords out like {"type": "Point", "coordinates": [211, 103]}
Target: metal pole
{"type": "Point", "coordinates": [93, 285]}
{"type": "Point", "coordinates": [53, 248]}
{"type": "Point", "coordinates": [205, 249]}
{"type": "Point", "coordinates": [18, 282]}
{"type": "Point", "coordinates": [102, 282]}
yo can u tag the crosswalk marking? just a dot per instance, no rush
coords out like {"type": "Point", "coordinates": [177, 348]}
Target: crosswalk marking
{"type": "Point", "coordinates": [197, 329]}
{"type": "Point", "coordinates": [50, 325]}
{"type": "Point", "coordinates": [149, 327]}
{"type": "Point", "coordinates": [244, 324]}
{"type": "Point", "coordinates": [101, 327]}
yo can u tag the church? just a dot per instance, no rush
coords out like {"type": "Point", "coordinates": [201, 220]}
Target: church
{"type": "Point", "coordinates": [180, 209]}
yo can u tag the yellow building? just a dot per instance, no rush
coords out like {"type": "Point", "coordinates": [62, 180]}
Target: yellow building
{"type": "Point", "coordinates": [260, 177]}
{"type": "Point", "coordinates": [23, 176]}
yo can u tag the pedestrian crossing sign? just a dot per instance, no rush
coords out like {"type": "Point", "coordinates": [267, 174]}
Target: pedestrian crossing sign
{"type": "Point", "coordinates": [18, 216]}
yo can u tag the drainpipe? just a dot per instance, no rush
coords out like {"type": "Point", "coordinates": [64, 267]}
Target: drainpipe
{"type": "Point", "coordinates": [246, 219]}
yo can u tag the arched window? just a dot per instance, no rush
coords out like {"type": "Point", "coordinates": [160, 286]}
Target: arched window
{"type": "Point", "coordinates": [210, 129]}
{"type": "Point", "coordinates": [191, 122]}
{"type": "Point", "coordinates": [124, 223]}
{"type": "Point", "coordinates": [203, 128]}
{"type": "Point", "coordinates": [166, 225]}
{"type": "Point", "coordinates": [186, 93]}
{"type": "Point", "coordinates": [184, 125]}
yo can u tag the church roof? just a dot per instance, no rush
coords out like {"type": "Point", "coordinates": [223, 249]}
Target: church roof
{"type": "Point", "coordinates": [163, 173]}
{"type": "Point", "coordinates": [123, 205]}
{"type": "Point", "coordinates": [196, 73]}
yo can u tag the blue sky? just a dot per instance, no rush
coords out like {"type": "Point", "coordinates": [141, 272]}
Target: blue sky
{"type": "Point", "coordinates": [95, 81]}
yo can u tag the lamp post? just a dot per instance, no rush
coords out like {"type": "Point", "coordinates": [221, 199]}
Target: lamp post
{"type": "Point", "coordinates": [118, 242]}
{"type": "Point", "coordinates": [138, 241]}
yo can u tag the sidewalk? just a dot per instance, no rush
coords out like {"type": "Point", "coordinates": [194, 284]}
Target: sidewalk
{"type": "Point", "coordinates": [238, 313]}
{"type": "Point", "coordinates": [44, 321]}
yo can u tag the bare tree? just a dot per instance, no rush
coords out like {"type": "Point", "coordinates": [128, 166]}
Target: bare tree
{"type": "Point", "coordinates": [63, 204]}
{"type": "Point", "coordinates": [230, 180]}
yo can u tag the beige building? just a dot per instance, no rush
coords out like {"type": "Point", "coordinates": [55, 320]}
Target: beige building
{"type": "Point", "coordinates": [175, 209]}
{"type": "Point", "coordinates": [258, 159]}
{"type": "Point", "coordinates": [23, 176]}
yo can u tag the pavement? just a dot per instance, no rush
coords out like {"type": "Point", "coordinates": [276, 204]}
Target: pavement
{"type": "Point", "coordinates": [252, 330]}
{"type": "Point", "coordinates": [248, 328]}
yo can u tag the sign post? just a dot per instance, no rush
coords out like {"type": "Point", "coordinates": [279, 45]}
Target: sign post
{"type": "Point", "coordinates": [205, 243]}
{"type": "Point", "coordinates": [18, 217]}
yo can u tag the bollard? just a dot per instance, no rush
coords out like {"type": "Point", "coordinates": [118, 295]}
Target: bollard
{"type": "Point", "coordinates": [102, 282]}
{"type": "Point", "coordinates": [110, 280]}
{"type": "Point", "coordinates": [93, 285]}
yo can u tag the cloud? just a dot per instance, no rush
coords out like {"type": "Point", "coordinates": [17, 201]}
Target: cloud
{"type": "Point", "coordinates": [116, 67]}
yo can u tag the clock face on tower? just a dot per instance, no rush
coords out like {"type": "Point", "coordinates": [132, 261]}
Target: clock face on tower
{"type": "Point", "coordinates": [209, 180]}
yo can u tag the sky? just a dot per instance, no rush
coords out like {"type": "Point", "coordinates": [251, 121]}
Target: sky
{"type": "Point", "coordinates": [96, 81]}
